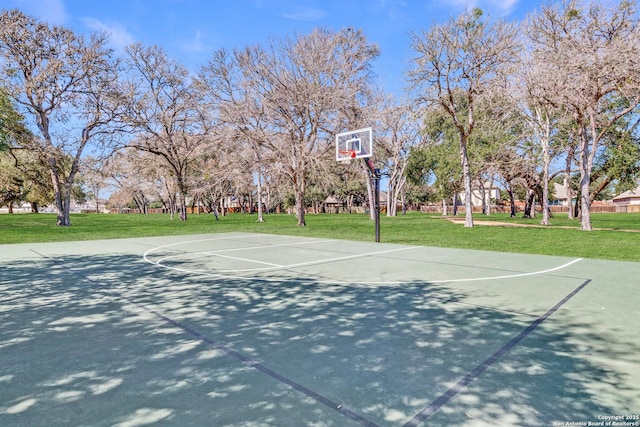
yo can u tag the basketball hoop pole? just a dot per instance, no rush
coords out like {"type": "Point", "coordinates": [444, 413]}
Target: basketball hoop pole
{"type": "Point", "coordinates": [358, 144]}
{"type": "Point", "coordinates": [375, 175]}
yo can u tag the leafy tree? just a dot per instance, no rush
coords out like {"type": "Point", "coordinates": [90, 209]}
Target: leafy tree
{"type": "Point", "coordinates": [12, 126]}
{"type": "Point", "coordinates": [618, 164]}
{"type": "Point", "coordinates": [438, 162]}
{"type": "Point", "coordinates": [457, 63]}
{"type": "Point", "coordinates": [63, 83]}
{"type": "Point", "coordinates": [591, 54]}
{"type": "Point", "coordinates": [23, 173]}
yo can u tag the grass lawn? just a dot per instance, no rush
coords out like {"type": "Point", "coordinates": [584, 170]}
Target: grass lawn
{"type": "Point", "coordinates": [562, 238]}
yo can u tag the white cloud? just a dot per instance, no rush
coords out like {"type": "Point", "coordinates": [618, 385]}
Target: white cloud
{"type": "Point", "coordinates": [195, 45]}
{"type": "Point", "coordinates": [392, 10]}
{"type": "Point", "coordinates": [505, 7]}
{"type": "Point", "coordinates": [306, 14]}
{"type": "Point", "coordinates": [493, 7]}
{"type": "Point", "coordinates": [119, 37]}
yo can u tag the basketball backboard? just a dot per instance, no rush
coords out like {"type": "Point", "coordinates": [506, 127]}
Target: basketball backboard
{"type": "Point", "coordinates": [355, 144]}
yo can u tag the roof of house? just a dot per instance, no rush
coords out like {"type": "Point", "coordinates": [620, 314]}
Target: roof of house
{"type": "Point", "coordinates": [560, 191]}
{"type": "Point", "coordinates": [629, 194]}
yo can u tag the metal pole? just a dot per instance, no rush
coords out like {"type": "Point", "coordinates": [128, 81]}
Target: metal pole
{"type": "Point", "coordinates": [376, 180]}
{"type": "Point", "coordinates": [375, 174]}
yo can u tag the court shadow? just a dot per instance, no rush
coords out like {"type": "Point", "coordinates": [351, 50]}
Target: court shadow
{"type": "Point", "coordinates": [111, 340]}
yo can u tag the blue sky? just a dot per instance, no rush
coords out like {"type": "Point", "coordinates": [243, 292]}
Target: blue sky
{"type": "Point", "coordinates": [190, 30]}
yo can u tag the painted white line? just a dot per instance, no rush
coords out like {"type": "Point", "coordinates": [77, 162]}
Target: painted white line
{"type": "Point", "coordinates": [145, 256]}
{"type": "Point", "coordinates": [314, 262]}
{"type": "Point", "coordinates": [253, 261]}
{"type": "Point", "coordinates": [348, 257]}
{"type": "Point", "coordinates": [511, 276]}
{"type": "Point", "coordinates": [400, 282]}
{"type": "Point", "coordinates": [160, 261]}
{"type": "Point", "coordinates": [271, 267]}
{"type": "Point", "coordinates": [277, 266]}
{"type": "Point", "coordinates": [280, 245]}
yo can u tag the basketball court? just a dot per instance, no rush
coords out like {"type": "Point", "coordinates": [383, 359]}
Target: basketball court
{"type": "Point", "coordinates": [262, 330]}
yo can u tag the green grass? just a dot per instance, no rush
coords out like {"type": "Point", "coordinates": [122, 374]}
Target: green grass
{"type": "Point", "coordinates": [562, 238]}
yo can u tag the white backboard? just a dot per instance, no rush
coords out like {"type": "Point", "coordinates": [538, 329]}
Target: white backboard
{"type": "Point", "coordinates": [354, 144]}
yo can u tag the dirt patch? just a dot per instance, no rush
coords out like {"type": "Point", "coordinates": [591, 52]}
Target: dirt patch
{"type": "Point", "coordinates": [460, 220]}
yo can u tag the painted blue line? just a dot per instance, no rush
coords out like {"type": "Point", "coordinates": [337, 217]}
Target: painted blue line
{"type": "Point", "coordinates": [447, 395]}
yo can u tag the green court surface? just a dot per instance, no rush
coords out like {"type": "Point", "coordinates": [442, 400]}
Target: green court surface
{"type": "Point", "coordinates": [261, 330]}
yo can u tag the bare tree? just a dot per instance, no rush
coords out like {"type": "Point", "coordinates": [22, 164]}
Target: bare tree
{"type": "Point", "coordinates": [592, 57]}
{"type": "Point", "coordinates": [94, 178]}
{"type": "Point", "coordinates": [540, 116]}
{"type": "Point", "coordinates": [139, 177]}
{"type": "Point", "coordinates": [213, 180]}
{"type": "Point", "coordinates": [64, 84]}
{"type": "Point", "coordinates": [126, 172]}
{"type": "Point", "coordinates": [464, 57]}
{"type": "Point", "coordinates": [237, 106]}
{"type": "Point", "coordinates": [165, 112]}
{"type": "Point", "coordinates": [398, 132]}
{"type": "Point", "coordinates": [298, 86]}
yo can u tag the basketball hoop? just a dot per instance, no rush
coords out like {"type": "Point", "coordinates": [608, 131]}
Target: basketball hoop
{"type": "Point", "coordinates": [354, 144]}
{"type": "Point", "coordinates": [358, 144]}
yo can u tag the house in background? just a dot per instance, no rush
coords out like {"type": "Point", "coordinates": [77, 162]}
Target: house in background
{"type": "Point", "coordinates": [559, 196]}
{"type": "Point", "coordinates": [628, 198]}
{"type": "Point", "coordinates": [491, 194]}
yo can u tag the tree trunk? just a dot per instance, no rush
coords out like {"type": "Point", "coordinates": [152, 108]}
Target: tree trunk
{"type": "Point", "coordinates": [544, 129]}
{"type": "Point", "coordinates": [545, 184]}
{"type": "Point", "coordinates": [61, 196]}
{"type": "Point", "coordinates": [567, 186]}
{"type": "Point", "coordinates": [182, 197]}
{"type": "Point", "coordinates": [445, 211]}
{"type": "Point", "coordinates": [300, 207]}
{"type": "Point", "coordinates": [299, 194]}
{"type": "Point", "coordinates": [466, 178]}
{"type": "Point", "coordinates": [268, 202]}
{"type": "Point", "coordinates": [260, 214]}
{"type": "Point", "coordinates": [512, 200]}
{"type": "Point", "coordinates": [391, 199]}
{"type": "Point", "coordinates": [488, 212]}
{"type": "Point", "coordinates": [67, 204]}
{"type": "Point", "coordinates": [567, 181]}
{"type": "Point", "coordinates": [183, 206]}
{"type": "Point", "coordinates": [530, 204]}
{"type": "Point", "coordinates": [63, 202]}
{"type": "Point", "coordinates": [172, 206]}
{"type": "Point", "coordinates": [585, 203]}
{"type": "Point", "coordinates": [585, 180]}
